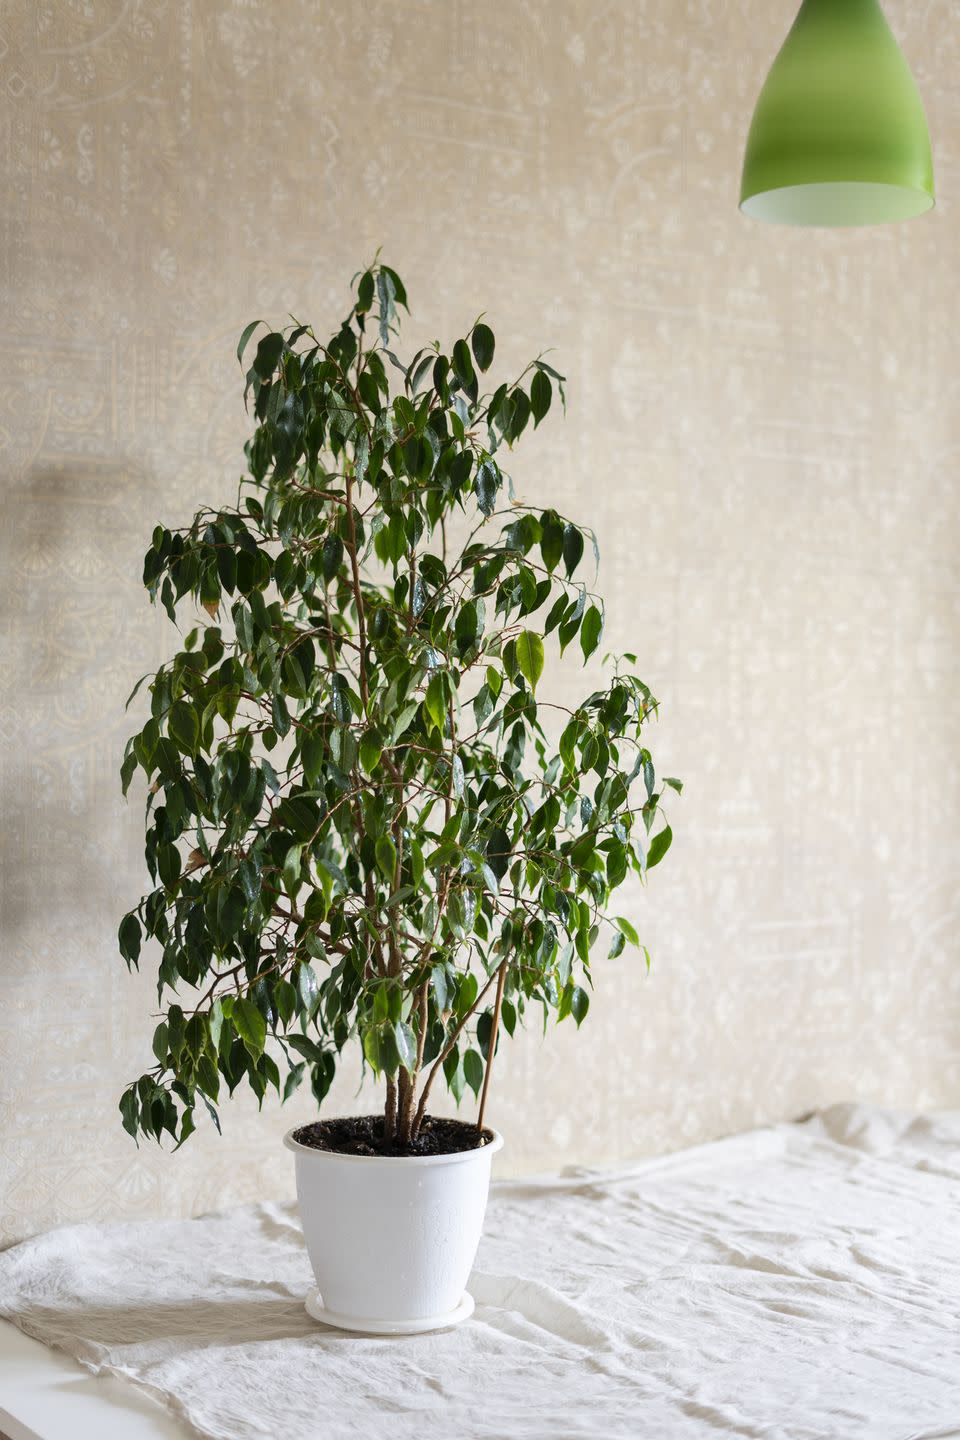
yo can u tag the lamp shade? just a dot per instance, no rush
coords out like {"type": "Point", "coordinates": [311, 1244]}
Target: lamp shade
{"type": "Point", "coordinates": [839, 136]}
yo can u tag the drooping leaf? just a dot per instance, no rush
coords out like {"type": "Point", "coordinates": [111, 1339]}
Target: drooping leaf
{"type": "Point", "coordinates": [435, 701]}
{"type": "Point", "coordinates": [130, 936]}
{"type": "Point", "coordinates": [579, 1004]}
{"type": "Point", "coordinates": [541, 392]}
{"type": "Point", "coordinates": [406, 1045]}
{"type": "Point", "coordinates": [530, 657]}
{"type": "Point", "coordinates": [473, 1070]}
{"type": "Point", "coordinates": [626, 929]}
{"type": "Point", "coordinates": [498, 851]}
{"type": "Point", "coordinates": [245, 336]}
{"type": "Point", "coordinates": [659, 846]}
{"type": "Point", "coordinates": [572, 547]}
{"type": "Point", "coordinates": [590, 631]}
{"type": "Point", "coordinates": [268, 353]}
{"type": "Point", "coordinates": [485, 487]}
{"type": "Point", "coordinates": [184, 726]}
{"type": "Point", "coordinates": [371, 748]}
{"type": "Point", "coordinates": [386, 853]}
{"type": "Point", "coordinates": [332, 556]}
{"type": "Point", "coordinates": [250, 1024]}
{"type": "Point", "coordinates": [483, 344]}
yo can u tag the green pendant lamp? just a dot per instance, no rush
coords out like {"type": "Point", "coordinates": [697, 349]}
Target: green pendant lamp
{"type": "Point", "coordinates": [839, 136]}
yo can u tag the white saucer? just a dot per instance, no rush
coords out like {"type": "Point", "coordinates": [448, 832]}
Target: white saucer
{"type": "Point", "coordinates": [318, 1311]}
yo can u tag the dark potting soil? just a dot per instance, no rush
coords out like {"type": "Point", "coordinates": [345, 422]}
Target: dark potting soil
{"type": "Point", "coordinates": [363, 1135]}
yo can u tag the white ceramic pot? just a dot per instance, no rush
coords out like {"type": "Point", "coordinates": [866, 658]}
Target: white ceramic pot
{"type": "Point", "coordinates": [392, 1239]}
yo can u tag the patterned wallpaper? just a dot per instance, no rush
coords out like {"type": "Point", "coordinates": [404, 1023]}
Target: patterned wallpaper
{"type": "Point", "coordinates": [763, 427]}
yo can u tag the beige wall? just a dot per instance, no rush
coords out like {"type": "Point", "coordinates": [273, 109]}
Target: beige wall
{"type": "Point", "coordinates": [763, 428]}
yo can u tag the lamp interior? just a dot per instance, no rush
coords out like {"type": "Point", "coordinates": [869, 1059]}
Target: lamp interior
{"type": "Point", "coordinates": [837, 203]}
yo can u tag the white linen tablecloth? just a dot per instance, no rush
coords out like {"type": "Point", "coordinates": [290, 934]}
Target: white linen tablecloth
{"type": "Point", "coordinates": [800, 1281]}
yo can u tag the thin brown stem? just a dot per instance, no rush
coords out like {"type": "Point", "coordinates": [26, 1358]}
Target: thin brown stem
{"type": "Point", "coordinates": [492, 1046]}
{"type": "Point", "coordinates": [357, 592]}
{"type": "Point", "coordinates": [438, 1063]}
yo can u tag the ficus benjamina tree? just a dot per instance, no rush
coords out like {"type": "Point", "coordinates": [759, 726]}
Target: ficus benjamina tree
{"type": "Point", "coordinates": [357, 828]}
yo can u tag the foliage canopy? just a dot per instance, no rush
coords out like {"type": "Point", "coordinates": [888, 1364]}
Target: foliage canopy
{"type": "Point", "coordinates": [356, 826]}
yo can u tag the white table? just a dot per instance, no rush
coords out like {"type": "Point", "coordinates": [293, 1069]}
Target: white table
{"type": "Point", "coordinates": [47, 1396]}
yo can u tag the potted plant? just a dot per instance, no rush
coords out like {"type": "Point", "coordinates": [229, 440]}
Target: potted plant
{"type": "Point", "coordinates": [364, 825]}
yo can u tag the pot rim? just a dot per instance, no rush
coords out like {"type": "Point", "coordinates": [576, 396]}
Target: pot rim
{"type": "Point", "coordinates": [462, 1157]}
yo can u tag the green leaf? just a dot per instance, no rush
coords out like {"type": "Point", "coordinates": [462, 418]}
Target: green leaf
{"type": "Point", "coordinates": [130, 935]}
{"type": "Point", "coordinates": [625, 928]}
{"type": "Point", "coordinates": [498, 851]}
{"type": "Point", "coordinates": [291, 868]}
{"type": "Point", "coordinates": [340, 698]}
{"type": "Point", "coordinates": [399, 290]}
{"type": "Point", "coordinates": [212, 1113]}
{"type": "Point", "coordinates": [485, 487]}
{"type": "Point", "coordinates": [483, 344]}
{"type": "Point", "coordinates": [169, 865]}
{"type": "Point", "coordinates": [386, 853]}
{"type": "Point", "coordinates": [442, 990]}
{"type": "Point", "coordinates": [312, 752]}
{"type": "Point", "coordinates": [541, 393]}
{"type": "Point", "coordinates": [208, 1077]}
{"type": "Point", "coordinates": [453, 1074]}
{"type": "Point", "coordinates": [568, 743]}
{"type": "Point", "coordinates": [187, 1127]}
{"type": "Point", "coordinates": [590, 631]}
{"type": "Point", "coordinates": [307, 985]}
{"type": "Point", "coordinates": [331, 556]}
{"type": "Point", "coordinates": [579, 1004]}
{"type": "Point", "coordinates": [473, 1070]}
{"type": "Point", "coordinates": [467, 993]}
{"type": "Point", "coordinates": [371, 748]}
{"type": "Point", "coordinates": [616, 864]}
{"type": "Point", "coordinates": [659, 846]}
{"type": "Point", "coordinates": [130, 1110]}
{"type": "Point", "coordinates": [380, 1049]}
{"type": "Point", "coordinates": [551, 539]}
{"type": "Point", "coordinates": [463, 365]}
{"type": "Point", "coordinates": [184, 726]}
{"type": "Point", "coordinates": [401, 722]}
{"type": "Point", "coordinates": [268, 353]}
{"type": "Point", "coordinates": [161, 1042]}
{"type": "Point", "coordinates": [245, 336]}
{"type": "Point", "coordinates": [384, 998]}
{"type": "Point", "coordinates": [251, 1025]}
{"type": "Point", "coordinates": [365, 293]}
{"type": "Point", "coordinates": [127, 770]}
{"type": "Point", "coordinates": [520, 416]}
{"type": "Point", "coordinates": [529, 653]}
{"type": "Point", "coordinates": [373, 1048]}
{"type": "Point", "coordinates": [435, 702]}
{"type": "Point", "coordinates": [406, 1045]}
{"type": "Point", "coordinates": [386, 293]}
{"type": "Point", "coordinates": [572, 548]}
{"type": "Point", "coordinates": [616, 946]}
{"type": "Point", "coordinates": [280, 714]}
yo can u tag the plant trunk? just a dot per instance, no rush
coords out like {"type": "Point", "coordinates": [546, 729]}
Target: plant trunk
{"type": "Point", "coordinates": [390, 1112]}
{"type": "Point", "coordinates": [407, 1108]}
